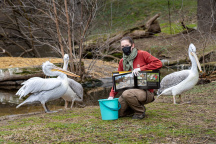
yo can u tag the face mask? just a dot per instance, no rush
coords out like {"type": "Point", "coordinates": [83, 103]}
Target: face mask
{"type": "Point", "coordinates": [127, 50]}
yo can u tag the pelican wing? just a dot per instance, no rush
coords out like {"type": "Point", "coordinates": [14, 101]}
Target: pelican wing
{"type": "Point", "coordinates": [37, 84]}
{"type": "Point", "coordinates": [76, 87]}
{"type": "Point", "coordinates": [173, 79]}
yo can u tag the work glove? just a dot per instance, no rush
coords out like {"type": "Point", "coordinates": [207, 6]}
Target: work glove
{"type": "Point", "coordinates": [136, 71]}
{"type": "Point", "coordinates": [110, 98]}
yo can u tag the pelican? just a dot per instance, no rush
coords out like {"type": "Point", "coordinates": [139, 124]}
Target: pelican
{"type": "Point", "coordinates": [178, 82]}
{"type": "Point", "coordinates": [75, 89]}
{"type": "Point", "coordinates": [44, 90]}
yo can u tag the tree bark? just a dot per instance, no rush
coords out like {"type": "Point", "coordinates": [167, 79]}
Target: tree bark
{"type": "Point", "coordinates": [206, 16]}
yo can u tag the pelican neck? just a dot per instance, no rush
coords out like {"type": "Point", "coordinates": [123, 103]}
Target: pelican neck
{"type": "Point", "coordinates": [65, 65]}
{"type": "Point", "coordinates": [193, 62]}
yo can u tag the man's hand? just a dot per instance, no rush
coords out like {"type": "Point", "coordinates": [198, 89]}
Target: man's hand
{"type": "Point", "coordinates": [136, 71]}
{"type": "Point", "coordinates": [110, 98]}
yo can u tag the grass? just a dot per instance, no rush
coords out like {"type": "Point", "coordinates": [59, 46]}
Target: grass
{"type": "Point", "coordinates": [164, 123]}
{"type": "Point", "coordinates": [175, 28]}
{"type": "Point", "coordinates": [118, 15]}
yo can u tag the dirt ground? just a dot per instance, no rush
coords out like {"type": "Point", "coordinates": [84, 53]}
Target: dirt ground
{"type": "Point", "coordinates": [100, 68]}
{"type": "Point", "coordinates": [175, 47]}
{"type": "Point", "coordinates": [13, 62]}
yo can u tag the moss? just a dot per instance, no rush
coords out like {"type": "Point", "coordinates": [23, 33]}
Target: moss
{"type": "Point", "coordinates": [175, 28]}
{"type": "Point", "coordinates": [90, 83]}
{"type": "Point", "coordinates": [89, 55]}
{"type": "Point", "coordinates": [26, 72]}
{"type": "Point", "coordinates": [118, 55]}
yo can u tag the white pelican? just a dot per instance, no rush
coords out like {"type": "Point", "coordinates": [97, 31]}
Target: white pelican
{"type": "Point", "coordinates": [178, 82]}
{"type": "Point", "coordinates": [75, 89]}
{"type": "Point", "coordinates": [44, 90]}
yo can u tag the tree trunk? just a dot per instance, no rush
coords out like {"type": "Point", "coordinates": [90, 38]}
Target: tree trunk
{"type": "Point", "coordinates": [206, 16]}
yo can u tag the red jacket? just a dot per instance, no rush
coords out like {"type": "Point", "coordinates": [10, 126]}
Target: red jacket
{"type": "Point", "coordinates": [144, 61]}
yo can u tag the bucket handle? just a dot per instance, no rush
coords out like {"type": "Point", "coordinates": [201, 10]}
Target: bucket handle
{"type": "Point", "coordinates": [114, 109]}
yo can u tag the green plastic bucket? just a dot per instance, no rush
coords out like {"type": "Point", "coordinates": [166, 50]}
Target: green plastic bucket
{"type": "Point", "coordinates": [109, 108]}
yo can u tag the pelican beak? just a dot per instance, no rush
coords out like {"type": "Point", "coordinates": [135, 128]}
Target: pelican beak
{"type": "Point", "coordinates": [197, 61]}
{"type": "Point", "coordinates": [64, 71]}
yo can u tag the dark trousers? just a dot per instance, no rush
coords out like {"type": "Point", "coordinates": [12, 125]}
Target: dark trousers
{"type": "Point", "coordinates": [133, 100]}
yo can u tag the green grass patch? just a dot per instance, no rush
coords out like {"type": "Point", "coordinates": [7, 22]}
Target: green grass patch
{"type": "Point", "coordinates": [211, 132]}
{"type": "Point", "coordinates": [16, 125]}
{"type": "Point", "coordinates": [174, 28]}
{"type": "Point", "coordinates": [57, 117]}
{"type": "Point", "coordinates": [32, 120]}
{"type": "Point", "coordinates": [2, 133]}
{"type": "Point", "coordinates": [121, 15]}
{"type": "Point", "coordinates": [164, 123]}
{"type": "Point", "coordinates": [60, 125]}
{"type": "Point", "coordinates": [159, 125]}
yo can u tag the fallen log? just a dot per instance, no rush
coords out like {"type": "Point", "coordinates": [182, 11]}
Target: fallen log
{"type": "Point", "coordinates": [144, 30]}
{"type": "Point", "coordinates": [208, 57]}
{"type": "Point", "coordinates": [106, 47]}
{"type": "Point", "coordinates": [9, 76]}
{"type": "Point", "coordinates": [13, 74]}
